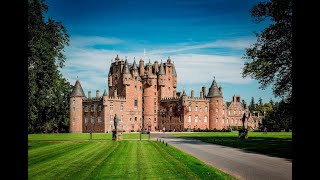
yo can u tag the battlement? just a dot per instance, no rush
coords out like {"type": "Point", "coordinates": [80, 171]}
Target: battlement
{"type": "Point", "coordinates": [118, 98]}
{"type": "Point", "coordinates": [197, 98]}
{"type": "Point", "coordinates": [92, 99]}
{"type": "Point", "coordinates": [170, 99]}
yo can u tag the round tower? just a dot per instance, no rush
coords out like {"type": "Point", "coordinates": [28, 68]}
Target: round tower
{"type": "Point", "coordinates": [215, 106]}
{"type": "Point", "coordinates": [75, 120]}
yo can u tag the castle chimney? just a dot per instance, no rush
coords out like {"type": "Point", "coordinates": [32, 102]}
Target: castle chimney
{"type": "Point", "coordinates": [97, 94]}
{"type": "Point", "coordinates": [115, 93]}
{"type": "Point", "coordinates": [89, 94]}
{"type": "Point", "coordinates": [192, 93]}
{"type": "Point", "coordinates": [203, 91]}
{"type": "Point", "coordinates": [201, 94]}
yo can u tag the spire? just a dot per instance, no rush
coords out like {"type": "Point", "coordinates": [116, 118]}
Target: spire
{"type": "Point", "coordinates": [214, 90]}
{"type": "Point", "coordinates": [77, 90]}
{"type": "Point", "coordinates": [184, 93]}
{"type": "Point", "coordinates": [161, 72]}
{"type": "Point", "coordinates": [126, 68]}
{"type": "Point", "coordinates": [134, 67]}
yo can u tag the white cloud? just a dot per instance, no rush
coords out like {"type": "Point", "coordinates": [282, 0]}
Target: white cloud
{"type": "Point", "coordinates": [92, 65]}
{"type": "Point", "coordinates": [80, 41]}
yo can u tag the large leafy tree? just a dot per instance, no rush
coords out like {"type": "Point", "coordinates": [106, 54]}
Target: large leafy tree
{"type": "Point", "coordinates": [48, 91]}
{"type": "Point", "coordinates": [270, 58]}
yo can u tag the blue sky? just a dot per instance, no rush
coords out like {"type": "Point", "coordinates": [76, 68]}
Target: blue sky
{"type": "Point", "coordinates": [203, 38]}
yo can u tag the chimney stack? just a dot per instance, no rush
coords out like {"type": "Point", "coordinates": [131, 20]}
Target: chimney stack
{"type": "Point", "coordinates": [97, 94]}
{"type": "Point", "coordinates": [203, 91]}
{"type": "Point", "coordinates": [89, 94]}
{"type": "Point", "coordinates": [201, 94]}
{"type": "Point", "coordinates": [192, 93]}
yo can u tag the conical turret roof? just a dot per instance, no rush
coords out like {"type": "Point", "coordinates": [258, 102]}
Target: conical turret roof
{"type": "Point", "coordinates": [77, 90]}
{"type": "Point", "coordinates": [214, 90]}
{"type": "Point", "coordinates": [173, 70]}
{"type": "Point", "coordinates": [126, 68]}
{"type": "Point", "coordinates": [134, 67]}
{"type": "Point", "coordinates": [161, 71]}
{"type": "Point", "coordinates": [105, 92]}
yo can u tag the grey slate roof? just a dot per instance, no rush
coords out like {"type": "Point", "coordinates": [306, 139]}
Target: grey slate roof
{"type": "Point", "coordinates": [126, 68]}
{"type": "Point", "coordinates": [77, 90]}
{"type": "Point", "coordinates": [214, 90]}
{"type": "Point", "coordinates": [134, 67]}
{"type": "Point", "coordinates": [161, 71]}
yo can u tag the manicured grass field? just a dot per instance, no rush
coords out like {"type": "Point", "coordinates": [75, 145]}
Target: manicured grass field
{"type": "Point", "coordinates": [114, 160]}
{"type": "Point", "coordinates": [83, 136]}
{"type": "Point", "coordinates": [277, 144]}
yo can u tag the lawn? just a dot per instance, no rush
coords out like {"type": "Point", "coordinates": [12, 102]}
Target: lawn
{"type": "Point", "coordinates": [277, 144]}
{"type": "Point", "coordinates": [83, 136]}
{"type": "Point", "coordinates": [125, 159]}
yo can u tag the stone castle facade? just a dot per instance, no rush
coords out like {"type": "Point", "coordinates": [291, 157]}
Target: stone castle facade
{"type": "Point", "coordinates": [144, 96]}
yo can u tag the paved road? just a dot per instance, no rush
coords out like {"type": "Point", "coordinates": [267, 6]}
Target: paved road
{"type": "Point", "coordinates": [239, 163]}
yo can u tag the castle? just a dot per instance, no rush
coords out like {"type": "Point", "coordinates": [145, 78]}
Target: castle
{"type": "Point", "coordinates": [144, 97]}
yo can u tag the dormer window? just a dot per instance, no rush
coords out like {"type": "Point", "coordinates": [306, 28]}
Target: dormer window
{"type": "Point", "coordinates": [99, 108]}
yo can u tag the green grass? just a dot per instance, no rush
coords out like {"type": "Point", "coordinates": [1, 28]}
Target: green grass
{"type": "Point", "coordinates": [82, 136]}
{"type": "Point", "coordinates": [277, 144]}
{"type": "Point", "coordinates": [114, 160]}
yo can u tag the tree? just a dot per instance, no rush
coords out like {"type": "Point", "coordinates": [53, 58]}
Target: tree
{"type": "Point", "coordinates": [244, 103]}
{"type": "Point", "coordinates": [252, 106]}
{"type": "Point", "coordinates": [271, 102]}
{"type": "Point", "coordinates": [270, 56]}
{"type": "Point", "coordinates": [260, 101]}
{"type": "Point", "coordinates": [47, 89]}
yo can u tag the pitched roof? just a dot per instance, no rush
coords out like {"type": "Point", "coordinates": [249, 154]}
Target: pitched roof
{"type": "Point", "coordinates": [77, 90]}
{"type": "Point", "coordinates": [134, 67]}
{"type": "Point", "coordinates": [126, 68]}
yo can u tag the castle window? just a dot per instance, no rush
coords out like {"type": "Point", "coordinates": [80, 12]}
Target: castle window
{"type": "Point", "coordinates": [222, 121]}
{"type": "Point", "coordinates": [170, 109]}
{"type": "Point", "coordinates": [86, 119]}
{"type": "Point", "coordinates": [135, 103]}
{"type": "Point", "coordinates": [236, 121]}
{"type": "Point", "coordinates": [227, 121]}
{"type": "Point", "coordinates": [217, 101]}
{"type": "Point", "coordinates": [86, 109]}
{"type": "Point", "coordinates": [135, 88]}
{"type": "Point", "coordinates": [189, 118]}
{"type": "Point", "coordinates": [223, 111]}
{"type": "Point", "coordinates": [231, 121]}
{"type": "Point", "coordinates": [130, 119]}
{"type": "Point", "coordinates": [73, 101]}
{"type": "Point", "coordinates": [190, 109]}
{"type": "Point", "coordinates": [99, 119]}
{"type": "Point", "coordinates": [155, 120]}
{"type": "Point", "coordinates": [99, 108]}
{"type": "Point", "coordinates": [206, 109]}
{"type": "Point", "coordinates": [200, 109]}
{"type": "Point", "coordinates": [240, 112]}
{"type": "Point", "coordinates": [216, 109]}
{"type": "Point", "coordinates": [121, 118]}
{"type": "Point", "coordinates": [111, 107]}
{"type": "Point", "coordinates": [229, 112]}
{"type": "Point", "coordinates": [155, 111]}
{"type": "Point", "coordinates": [196, 109]}
{"type": "Point", "coordinates": [169, 79]}
{"type": "Point", "coordinates": [196, 119]}
{"type": "Point", "coordinates": [180, 119]}
{"type": "Point", "coordinates": [155, 86]}
{"type": "Point", "coordinates": [121, 107]}
{"type": "Point", "coordinates": [92, 119]}
{"type": "Point", "coordinates": [205, 119]}
{"type": "Point", "coordinates": [92, 108]}
{"type": "Point", "coordinates": [216, 120]}
{"type": "Point", "coordinates": [140, 88]}
{"type": "Point", "coordinates": [155, 93]}
{"type": "Point", "coordinates": [135, 118]}
{"type": "Point", "coordinates": [74, 109]}
{"type": "Point", "coordinates": [234, 112]}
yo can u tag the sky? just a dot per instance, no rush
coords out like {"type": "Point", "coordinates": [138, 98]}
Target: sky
{"type": "Point", "coordinates": [204, 39]}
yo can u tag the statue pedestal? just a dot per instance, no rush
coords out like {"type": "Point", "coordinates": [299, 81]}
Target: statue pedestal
{"type": "Point", "coordinates": [116, 134]}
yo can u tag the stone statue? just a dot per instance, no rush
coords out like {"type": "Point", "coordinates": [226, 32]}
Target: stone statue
{"type": "Point", "coordinates": [115, 120]}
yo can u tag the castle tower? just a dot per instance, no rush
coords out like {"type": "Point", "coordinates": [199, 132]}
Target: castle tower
{"type": "Point", "coordinates": [141, 67]}
{"type": "Point", "coordinates": [161, 80]}
{"type": "Point", "coordinates": [76, 97]}
{"type": "Point", "coordinates": [215, 106]}
{"type": "Point", "coordinates": [174, 79]}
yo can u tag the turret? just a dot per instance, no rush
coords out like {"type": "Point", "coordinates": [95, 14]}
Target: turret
{"type": "Point", "coordinates": [156, 67]}
{"type": "Point", "coordinates": [141, 67]}
{"type": "Point", "coordinates": [75, 104]}
{"type": "Point", "coordinates": [89, 95]}
{"type": "Point", "coordinates": [203, 91]}
{"type": "Point", "coordinates": [174, 76]}
{"type": "Point", "coordinates": [117, 60]}
{"type": "Point", "coordinates": [215, 106]}
{"type": "Point", "coordinates": [134, 68]}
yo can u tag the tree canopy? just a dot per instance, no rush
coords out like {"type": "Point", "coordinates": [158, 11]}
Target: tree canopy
{"type": "Point", "coordinates": [48, 91]}
{"type": "Point", "coordinates": [270, 58]}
